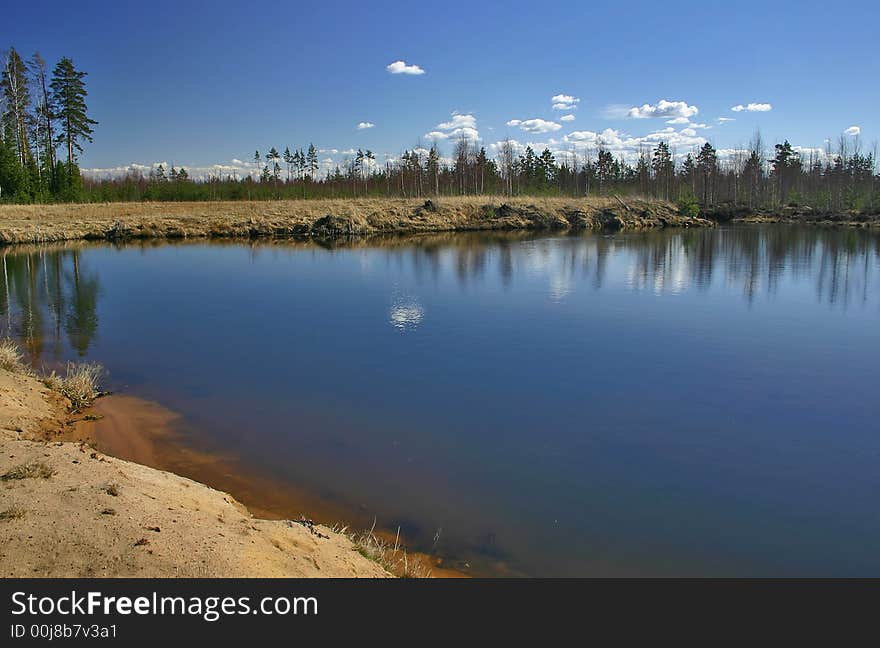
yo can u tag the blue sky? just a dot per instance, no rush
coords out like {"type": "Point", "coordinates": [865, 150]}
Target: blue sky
{"type": "Point", "coordinates": [205, 83]}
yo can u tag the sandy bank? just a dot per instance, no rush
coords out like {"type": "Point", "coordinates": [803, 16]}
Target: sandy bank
{"type": "Point", "coordinates": [68, 510]}
{"type": "Point", "coordinates": [329, 218]}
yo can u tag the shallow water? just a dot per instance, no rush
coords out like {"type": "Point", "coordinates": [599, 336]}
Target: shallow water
{"type": "Point", "coordinates": [664, 403]}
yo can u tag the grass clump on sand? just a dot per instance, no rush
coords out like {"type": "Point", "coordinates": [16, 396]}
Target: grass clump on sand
{"type": "Point", "coordinates": [392, 557]}
{"type": "Point", "coordinates": [79, 384]}
{"type": "Point", "coordinates": [13, 513]}
{"type": "Point", "coordinates": [33, 470]}
{"type": "Point", "coordinates": [10, 356]}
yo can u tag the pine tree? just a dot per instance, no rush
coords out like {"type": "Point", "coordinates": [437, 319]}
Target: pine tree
{"type": "Point", "coordinates": [707, 165]}
{"type": "Point", "coordinates": [663, 167]}
{"type": "Point", "coordinates": [69, 105]}
{"type": "Point", "coordinates": [434, 168]}
{"type": "Point", "coordinates": [312, 161]}
{"type": "Point", "coordinates": [288, 160]}
{"type": "Point", "coordinates": [604, 167]}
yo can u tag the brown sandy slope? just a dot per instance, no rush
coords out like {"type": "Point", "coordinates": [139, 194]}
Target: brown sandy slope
{"type": "Point", "coordinates": [328, 218]}
{"type": "Point", "coordinates": [81, 513]}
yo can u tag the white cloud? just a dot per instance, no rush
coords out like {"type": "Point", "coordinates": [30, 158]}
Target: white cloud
{"type": "Point", "coordinates": [457, 127]}
{"type": "Point", "coordinates": [400, 67]}
{"type": "Point", "coordinates": [628, 146]}
{"type": "Point", "coordinates": [663, 108]}
{"type": "Point", "coordinates": [753, 107]}
{"type": "Point", "coordinates": [852, 130]}
{"type": "Point", "coordinates": [565, 102]}
{"type": "Point", "coordinates": [567, 118]}
{"type": "Point", "coordinates": [684, 121]}
{"type": "Point", "coordinates": [535, 125]}
{"type": "Point", "coordinates": [458, 121]}
{"type": "Point", "coordinates": [365, 125]}
{"type": "Point", "coordinates": [722, 120]}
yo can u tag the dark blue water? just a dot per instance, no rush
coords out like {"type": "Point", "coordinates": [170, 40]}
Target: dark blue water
{"type": "Point", "coordinates": [665, 403]}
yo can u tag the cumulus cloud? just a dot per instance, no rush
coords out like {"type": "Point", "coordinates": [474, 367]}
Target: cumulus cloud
{"type": "Point", "coordinates": [235, 169]}
{"type": "Point", "coordinates": [365, 125]}
{"type": "Point", "coordinates": [753, 107]}
{"type": "Point", "coordinates": [565, 102]}
{"type": "Point", "coordinates": [663, 108]}
{"type": "Point", "coordinates": [852, 130]}
{"type": "Point", "coordinates": [535, 125]}
{"type": "Point", "coordinates": [401, 67]}
{"type": "Point", "coordinates": [628, 146]}
{"type": "Point", "coordinates": [458, 121]}
{"type": "Point", "coordinates": [458, 126]}
{"type": "Point", "coordinates": [567, 118]}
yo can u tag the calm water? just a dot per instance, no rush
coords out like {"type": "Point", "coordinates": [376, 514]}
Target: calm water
{"type": "Point", "coordinates": [687, 403]}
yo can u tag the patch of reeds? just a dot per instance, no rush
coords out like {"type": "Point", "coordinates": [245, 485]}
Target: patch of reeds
{"type": "Point", "coordinates": [80, 383]}
{"type": "Point", "coordinates": [391, 556]}
{"type": "Point", "coordinates": [11, 358]}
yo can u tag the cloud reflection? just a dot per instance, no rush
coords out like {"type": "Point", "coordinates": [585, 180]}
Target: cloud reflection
{"type": "Point", "coordinates": [406, 314]}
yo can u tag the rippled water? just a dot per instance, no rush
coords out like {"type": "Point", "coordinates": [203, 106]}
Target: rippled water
{"type": "Point", "coordinates": [675, 402]}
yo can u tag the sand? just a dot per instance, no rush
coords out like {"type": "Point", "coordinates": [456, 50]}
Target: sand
{"type": "Point", "coordinates": [67, 510]}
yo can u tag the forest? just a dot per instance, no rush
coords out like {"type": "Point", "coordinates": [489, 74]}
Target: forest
{"type": "Point", "coordinates": [45, 124]}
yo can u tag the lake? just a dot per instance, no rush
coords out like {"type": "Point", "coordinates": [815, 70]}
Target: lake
{"type": "Point", "coordinates": [689, 403]}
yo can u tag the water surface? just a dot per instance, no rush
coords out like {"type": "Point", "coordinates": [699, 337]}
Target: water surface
{"type": "Point", "coordinates": [661, 403]}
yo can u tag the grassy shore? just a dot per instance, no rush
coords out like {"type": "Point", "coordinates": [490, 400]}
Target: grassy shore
{"type": "Point", "coordinates": [69, 510]}
{"type": "Point", "coordinates": [328, 218]}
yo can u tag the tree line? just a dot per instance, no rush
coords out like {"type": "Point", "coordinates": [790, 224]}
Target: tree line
{"type": "Point", "coordinates": [842, 178]}
{"type": "Point", "coordinates": [40, 115]}
{"type": "Point", "coordinates": [43, 115]}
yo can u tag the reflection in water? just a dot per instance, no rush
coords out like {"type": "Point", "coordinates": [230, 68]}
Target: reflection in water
{"type": "Point", "coordinates": [46, 294]}
{"type": "Point", "coordinates": [406, 314]}
{"type": "Point", "coordinates": [840, 263]}
{"type": "Point", "coordinates": [671, 402]}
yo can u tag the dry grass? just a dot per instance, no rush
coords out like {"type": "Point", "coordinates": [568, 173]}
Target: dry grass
{"type": "Point", "coordinates": [80, 383]}
{"type": "Point", "coordinates": [392, 557]}
{"type": "Point", "coordinates": [308, 209]}
{"type": "Point", "coordinates": [12, 513]}
{"type": "Point", "coordinates": [10, 357]}
{"type": "Point", "coordinates": [111, 489]}
{"type": "Point", "coordinates": [298, 218]}
{"type": "Point", "coordinates": [33, 470]}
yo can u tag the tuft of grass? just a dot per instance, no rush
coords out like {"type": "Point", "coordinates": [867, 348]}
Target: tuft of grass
{"type": "Point", "coordinates": [111, 489]}
{"type": "Point", "coordinates": [33, 470]}
{"type": "Point", "coordinates": [392, 557]}
{"type": "Point", "coordinates": [12, 513]}
{"type": "Point", "coordinates": [10, 357]}
{"type": "Point", "coordinates": [80, 383]}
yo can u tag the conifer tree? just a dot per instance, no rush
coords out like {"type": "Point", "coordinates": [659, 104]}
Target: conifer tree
{"type": "Point", "coordinates": [69, 105]}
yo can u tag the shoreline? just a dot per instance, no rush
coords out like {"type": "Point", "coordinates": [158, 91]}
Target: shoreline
{"type": "Point", "coordinates": [330, 219]}
{"type": "Point", "coordinates": [69, 510]}
{"type": "Point", "coordinates": [333, 220]}
{"type": "Point", "coordinates": [144, 432]}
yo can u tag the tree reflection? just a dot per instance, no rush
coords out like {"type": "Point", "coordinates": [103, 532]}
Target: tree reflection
{"type": "Point", "coordinates": [46, 295]}
{"type": "Point", "coordinates": [842, 263]}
